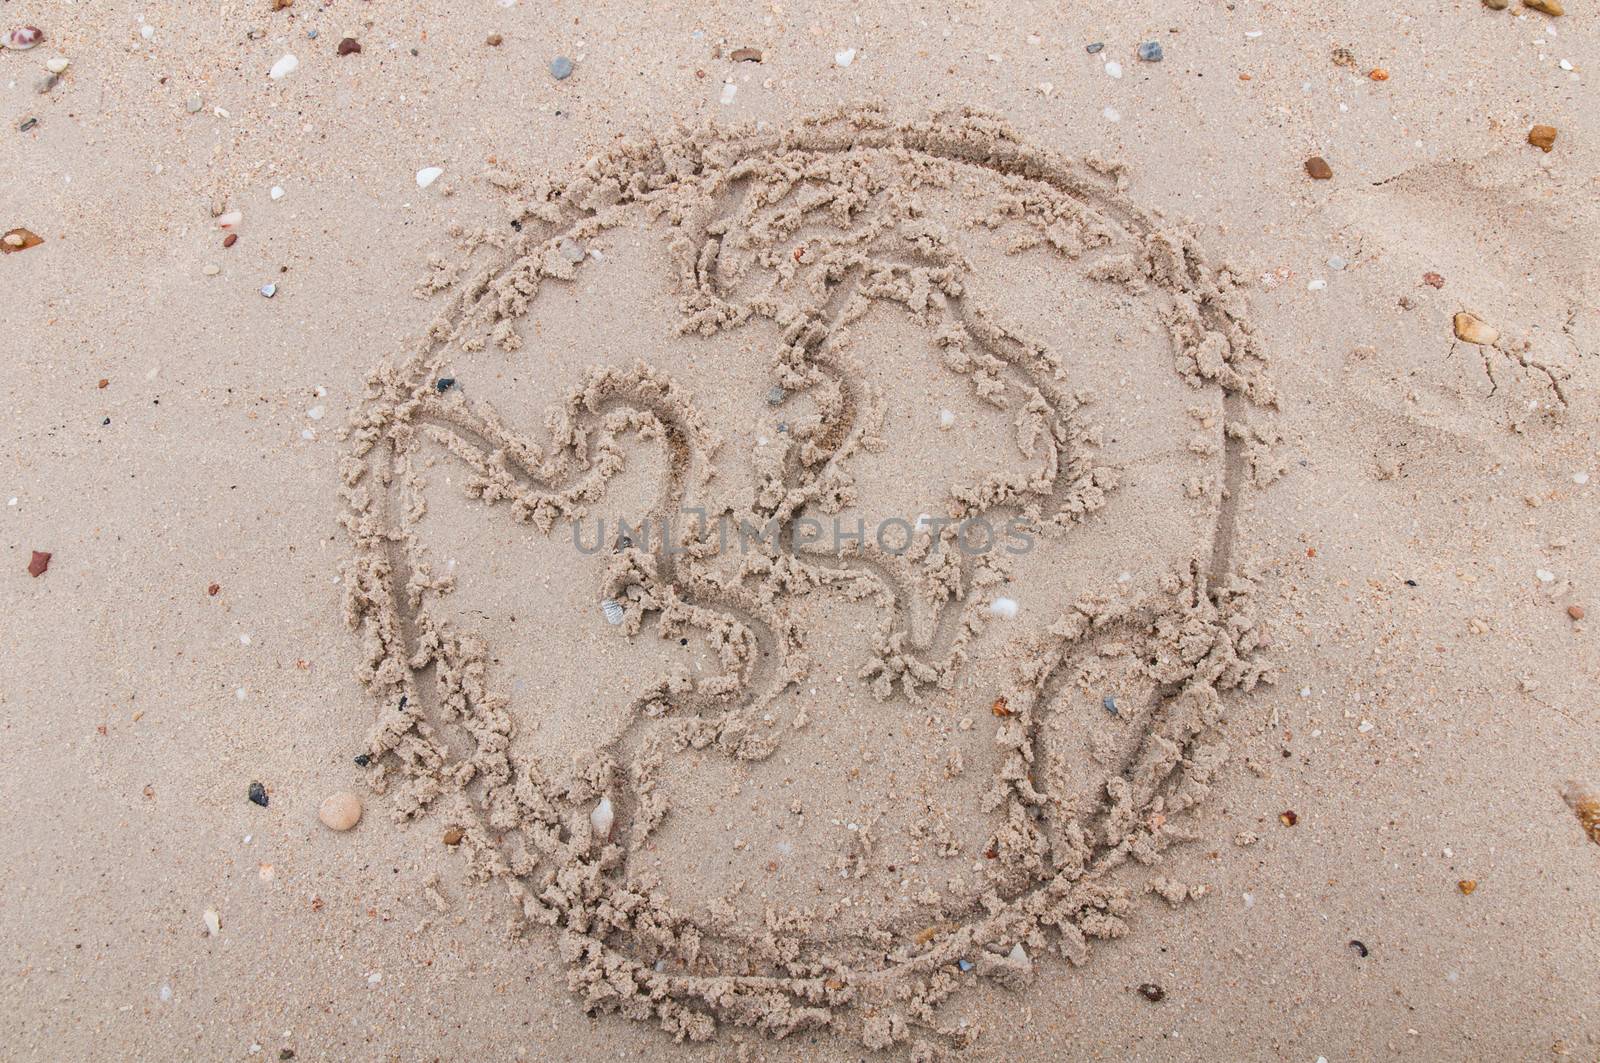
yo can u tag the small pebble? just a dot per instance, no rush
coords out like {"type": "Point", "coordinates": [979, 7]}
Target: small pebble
{"type": "Point", "coordinates": [775, 395]}
{"type": "Point", "coordinates": [1109, 703]}
{"type": "Point", "coordinates": [1095, 47]}
{"type": "Point", "coordinates": [269, 290]}
{"type": "Point", "coordinates": [1336, 263]}
{"type": "Point", "coordinates": [194, 104]}
{"type": "Point", "coordinates": [230, 239]}
{"type": "Point", "coordinates": [444, 383]}
{"type": "Point", "coordinates": [1433, 280]}
{"type": "Point", "coordinates": [495, 40]}
{"type": "Point", "coordinates": [1466, 886]}
{"type": "Point", "coordinates": [57, 64]}
{"type": "Point", "coordinates": [1542, 137]}
{"type": "Point", "coordinates": [1318, 168]}
{"type": "Point", "coordinates": [427, 175]}
{"type": "Point", "coordinates": [1114, 69]}
{"type": "Point", "coordinates": [1575, 612]}
{"type": "Point", "coordinates": [1361, 948]}
{"type": "Point", "coordinates": [561, 68]}
{"type": "Point", "coordinates": [340, 811]}
{"type": "Point", "coordinates": [311, 34]}
{"type": "Point", "coordinates": [38, 563]}
{"type": "Point", "coordinates": [1552, 8]}
{"type": "Point", "coordinates": [348, 46]}
{"type": "Point", "coordinates": [211, 269]}
{"type": "Point", "coordinates": [1288, 818]}
{"type": "Point", "coordinates": [454, 835]}
{"type": "Point", "coordinates": [257, 794]}
{"type": "Point", "coordinates": [1496, 5]}
{"type": "Point", "coordinates": [1150, 52]}
{"type": "Point", "coordinates": [1152, 992]}
{"type": "Point", "coordinates": [276, 193]}
{"type": "Point", "coordinates": [283, 68]}
{"type": "Point", "coordinates": [27, 124]}
{"type": "Point", "coordinates": [845, 58]}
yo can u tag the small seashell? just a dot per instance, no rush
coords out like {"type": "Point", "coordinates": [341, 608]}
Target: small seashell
{"type": "Point", "coordinates": [230, 219]}
{"type": "Point", "coordinates": [427, 175]}
{"type": "Point", "coordinates": [846, 57]}
{"type": "Point", "coordinates": [613, 611]}
{"type": "Point", "coordinates": [19, 240]}
{"type": "Point", "coordinates": [602, 818]}
{"type": "Point", "coordinates": [1585, 804]}
{"type": "Point", "coordinates": [213, 922]}
{"type": "Point", "coordinates": [23, 38]}
{"type": "Point", "coordinates": [1018, 954]}
{"type": "Point", "coordinates": [1005, 608]}
{"type": "Point", "coordinates": [269, 290]}
{"type": "Point", "coordinates": [1473, 330]}
{"type": "Point", "coordinates": [283, 68]}
{"type": "Point", "coordinates": [947, 419]}
{"type": "Point", "coordinates": [276, 193]}
{"type": "Point", "coordinates": [57, 64]}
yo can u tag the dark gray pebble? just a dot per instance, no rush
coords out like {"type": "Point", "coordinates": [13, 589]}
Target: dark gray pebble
{"type": "Point", "coordinates": [1109, 703]}
{"type": "Point", "coordinates": [1150, 51]}
{"type": "Point", "coordinates": [1095, 47]}
{"type": "Point", "coordinates": [258, 794]}
{"type": "Point", "coordinates": [445, 383]}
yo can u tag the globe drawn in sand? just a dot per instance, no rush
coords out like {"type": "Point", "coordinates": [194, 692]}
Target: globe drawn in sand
{"type": "Point", "coordinates": [797, 565]}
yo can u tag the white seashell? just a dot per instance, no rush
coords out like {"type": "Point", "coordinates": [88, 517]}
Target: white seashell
{"type": "Point", "coordinates": [277, 192]}
{"type": "Point", "coordinates": [947, 419]}
{"type": "Point", "coordinates": [57, 64]}
{"type": "Point", "coordinates": [283, 68]}
{"type": "Point", "coordinates": [602, 818]}
{"type": "Point", "coordinates": [613, 611]}
{"type": "Point", "coordinates": [1114, 69]}
{"type": "Point", "coordinates": [846, 57]}
{"type": "Point", "coordinates": [1005, 608]}
{"type": "Point", "coordinates": [427, 175]}
{"type": "Point", "coordinates": [230, 219]}
{"type": "Point", "coordinates": [22, 38]}
{"type": "Point", "coordinates": [213, 922]}
{"type": "Point", "coordinates": [1018, 954]}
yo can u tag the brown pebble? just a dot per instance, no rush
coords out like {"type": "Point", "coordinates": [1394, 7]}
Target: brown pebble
{"type": "Point", "coordinates": [1575, 611]}
{"type": "Point", "coordinates": [1542, 137]}
{"type": "Point", "coordinates": [104, 383]}
{"type": "Point", "coordinates": [349, 46]}
{"type": "Point", "coordinates": [454, 835]}
{"type": "Point", "coordinates": [279, 5]}
{"type": "Point", "coordinates": [230, 239]}
{"type": "Point", "coordinates": [1467, 885]}
{"type": "Point", "coordinates": [340, 811]}
{"type": "Point", "coordinates": [1288, 818]}
{"type": "Point", "coordinates": [1433, 280]}
{"type": "Point", "coordinates": [495, 40]}
{"type": "Point", "coordinates": [1378, 73]}
{"type": "Point", "coordinates": [1552, 8]}
{"type": "Point", "coordinates": [1496, 5]}
{"type": "Point", "coordinates": [1318, 168]}
{"type": "Point", "coordinates": [38, 563]}
{"type": "Point", "coordinates": [1152, 992]}
{"type": "Point", "coordinates": [214, 589]}
{"type": "Point", "coordinates": [746, 55]}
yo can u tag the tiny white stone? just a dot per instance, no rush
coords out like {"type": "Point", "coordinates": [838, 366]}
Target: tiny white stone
{"type": "Point", "coordinates": [1047, 87]}
{"type": "Point", "coordinates": [277, 192]}
{"type": "Point", "coordinates": [1114, 68]}
{"type": "Point", "coordinates": [283, 67]}
{"type": "Point", "coordinates": [947, 419]}
{"type": "Point", "coordinates": [316, 412]}
{"type": "Point", "coordinates": [59, 63]}
{"type": "Point", "coordinates": [1365, 726]}
{"type": "Point", "coordinates": [1249, 900]}
{"type": "Point", "coordinates": [427, 175]}
{"type": "Point", "coordinates": [1018, 954]}
{"type": "Point", "coordinates": [147, 31]}
{"type": "Point", "coordinates": [213, 922]}
{"type": "Point", "coordinates": [230, 219]}
{"type": "Point", "coordinates": [1316, 285]}
{"type": "Point", "coordinates": [244, 640]}
{"type": "Point", "coordinates": [729, 91]}
{"type": "Point", "coordinates": [240, 693]}
{"type": "Point", "coordinates": [1252, 34]}
{"type": "Point", "coordinates": [1545, 575]}
{"type": "Point", "coordinates": [1565, 64]}
{"type": "Point", "coordinates": [1111, 114]}
{"type": "Point", "coordinates": [846, 57]}
{"type": "Point", "coordinates": [374, 978]}
{"type": "Point", "coordinates": [1580, 478]}
{"type": "Point", "coordinates": [1005, 608]}
{"type": "Point", "coordinates": [165, 994]}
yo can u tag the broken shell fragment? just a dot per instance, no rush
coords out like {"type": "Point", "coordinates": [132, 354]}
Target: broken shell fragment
{"type": "Point", "coordinates": [1585, 804]}
{"type": "Point", "coordinates": [19, 240]}
{"type": "Point", "coordinates": [602, 818]}
{"type": "Point", "coordinates": [1472, 330]}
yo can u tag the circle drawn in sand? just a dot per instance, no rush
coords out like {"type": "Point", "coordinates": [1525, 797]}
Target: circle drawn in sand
{"type": "Point", "coordinates": [833, 279]}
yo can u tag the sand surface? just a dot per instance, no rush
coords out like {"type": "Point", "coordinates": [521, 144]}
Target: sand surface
{"type": "Point", "coordinates": [1261, 728]}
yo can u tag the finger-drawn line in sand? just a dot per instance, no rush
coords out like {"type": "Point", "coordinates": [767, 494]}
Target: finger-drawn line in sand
{"type": "Point", "coordinates": [734, 202]}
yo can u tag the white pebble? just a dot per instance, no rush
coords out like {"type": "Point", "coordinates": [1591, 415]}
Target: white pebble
{"type": "Point", "coordinates": [1114, 68]}
{"type": "Point", "coordinates": [1111, 114]}
{"type": "Point", "coordinates": [1545, 575]}
{"type": "Point", "coordinates": [147, 31]}
{"type": "Point", "coordinates": [283, 68]}
{"type": "Point", "coordinates": [316, 412]}
{"type": "Point", "coordinates": [947, 419]}
{"type": "Point", "coordinates": [846, 57]}
{"type": "Point", "coordinates": [59, 64]}
{"type": "Point", "coordinates": [428, 174]}
{"type": "Point", "coordinates": [1565, 64]}
{"type": "Point", "coordinates": [230, 219]}
{"type": "Point", "coordinates": [729, 91]}
{"type": "Point", "coordinates": [1005, 608]}
{"type": "Point", "coordinates": [1047, 87]}
{"type": "Point", "coordinates": [213, 922]}
{"type": "Point", "coordinates": [277, 192]}
{"type": "Point", "coordinates": [1580, 478]}
{"type": "Point", "coordinates": [1316, 285]}
{"type": "Point", "coordinates": [374, 978]}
